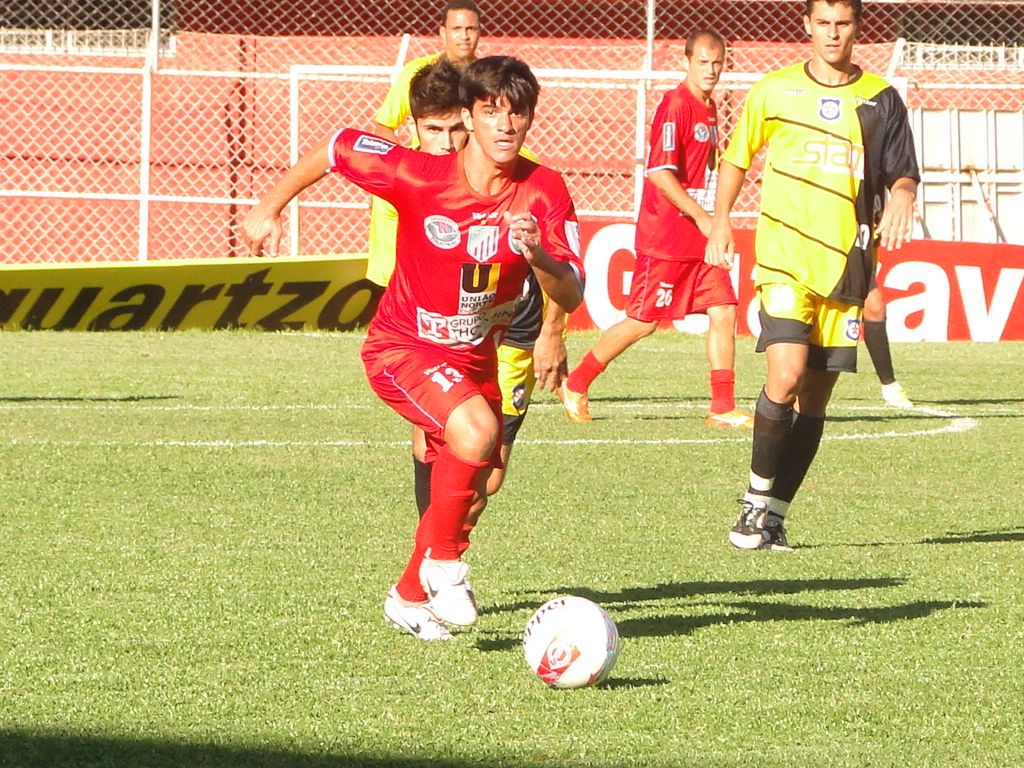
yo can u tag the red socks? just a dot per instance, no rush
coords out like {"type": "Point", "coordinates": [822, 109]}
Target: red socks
{"type": "Point", "coordinates": [452, 491]}
{"type": "Point", "coordinates": [580, 379]}
{"type": "Point", "coordinates": [723, 390]}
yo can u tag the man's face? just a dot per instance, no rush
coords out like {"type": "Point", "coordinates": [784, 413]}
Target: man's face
{"type": "Point", "coordinates": [498, 128]}
{"type": "Point", "coordinates": [442, 134]}
{"type": "Point", "coordinates": [705, 66]}
{"type": "Point", "coordinates": [460, 35]}
{"type": "Point", "coordinates": [833, 30]}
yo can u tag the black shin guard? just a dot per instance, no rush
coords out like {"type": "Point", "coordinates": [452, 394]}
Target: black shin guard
{"type": "Point", "coordinates": [421, 475]}
{"type": "Point", "coordinates": [797, 454]}
{"type": "Point", "coordinates": [771, 427]}
{"type": "Point", "coordinates": [876, 339]}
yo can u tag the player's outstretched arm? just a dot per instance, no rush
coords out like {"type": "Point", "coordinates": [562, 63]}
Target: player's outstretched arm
{"type": "Point", "coordinates": [720, 249]}
{"type": "Point", "coordinates": [550, 360]}
{"type": "Point", "coordinates": [262, 225]}
{"type": "Point", "coordinates": [897, 222]}
{"type": "Point", "coordinates": [557, 279]}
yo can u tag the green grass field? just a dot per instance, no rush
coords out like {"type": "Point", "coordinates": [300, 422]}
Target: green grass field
{"type": "Point", "coordinates": [198, 531]}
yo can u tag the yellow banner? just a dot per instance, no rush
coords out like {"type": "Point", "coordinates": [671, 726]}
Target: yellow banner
{"type": "Point", "coordinates": [309, 292]}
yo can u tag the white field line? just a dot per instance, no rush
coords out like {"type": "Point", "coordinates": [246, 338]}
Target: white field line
{"type": "Point", "coordinates": [952, 424]}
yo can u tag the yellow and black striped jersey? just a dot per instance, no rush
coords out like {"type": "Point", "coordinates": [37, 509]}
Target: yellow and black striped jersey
{"type": "Point", "coordinates": [832, 153]}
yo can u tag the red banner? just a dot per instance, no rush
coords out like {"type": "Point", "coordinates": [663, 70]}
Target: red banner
{"type": "Point", "coordinates": [934, 290]}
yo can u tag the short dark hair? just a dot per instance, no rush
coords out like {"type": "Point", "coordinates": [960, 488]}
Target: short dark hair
{"type": "Point", "coordinates": [434, 90]}
{"type": "Point", "coordinates": [459, 5]}
{"type": "Point", "coordinates": [494, 77]}
{"type": "Point", "coordinates": [704, 33]}
{"type": "Point", "coordinates": [856, 5]}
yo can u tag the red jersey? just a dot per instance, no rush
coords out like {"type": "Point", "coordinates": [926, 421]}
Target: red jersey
{"type": "Point", "coordinates": [457, 279]}
{"type": "Point", "coordinates": [684, 140]}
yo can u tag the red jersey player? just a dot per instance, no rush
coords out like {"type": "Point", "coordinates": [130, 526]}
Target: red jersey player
{"type": "Point", "coordinates": [671, 280]}
{"type": "Point", "coordinates": [472, 226]}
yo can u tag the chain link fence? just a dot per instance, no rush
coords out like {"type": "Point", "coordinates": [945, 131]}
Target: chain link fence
{"type": "Point", "coordinates": [138, 130]}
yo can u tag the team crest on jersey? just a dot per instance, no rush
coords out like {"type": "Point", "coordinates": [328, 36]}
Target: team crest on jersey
{"type": "Point", "coordinates": [482, 243]}
{"type": "Point", "coordinates": [701, 132]}
{"type": "Point", "coordinates": [442, 232]}
{"type": "Point", "coordinates": [478, 284]}
{"type": "Point", "coordinates": [853, 328]}
{"type": "Point", "coordinates": [373, 145]}
{"type": "Point", "coordinates": [829, 109]}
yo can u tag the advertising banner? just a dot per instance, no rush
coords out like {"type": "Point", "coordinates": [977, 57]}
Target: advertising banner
{"type": "Point", "coordinates": [935, 291]}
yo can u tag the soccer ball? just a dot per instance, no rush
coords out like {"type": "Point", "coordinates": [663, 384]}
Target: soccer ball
{"type": "Point", "coordinates": [571, 643]}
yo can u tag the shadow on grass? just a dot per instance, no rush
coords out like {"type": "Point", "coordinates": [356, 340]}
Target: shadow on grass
{"type": "Point", "coordinates": [32, 750]}
{"type": "Point", "coordinates": [675, 623]}
{"type": "Point", "coordinates": [951, 537]}
{"type": "Point", "coordinates": [977, 537]}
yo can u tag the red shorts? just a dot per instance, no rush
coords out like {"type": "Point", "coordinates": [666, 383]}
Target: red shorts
{"type": "Point", "coordinates": [671, 290]}
{"type": "Point", "coordinates": [423, 385]}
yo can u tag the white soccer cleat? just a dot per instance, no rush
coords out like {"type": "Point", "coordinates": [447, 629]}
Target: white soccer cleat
{"type": "Point", "coordinates": [748, 530]}
{"type": "Point", "coordinates": [894, 395]}
{"type": "Point", "coordinates": [451, 597]}
{"type": "Point", "coordinates": [415, 618]}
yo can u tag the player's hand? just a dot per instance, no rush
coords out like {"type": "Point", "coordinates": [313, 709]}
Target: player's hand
{"type": "Point", "coordinates": [524, 233]}
{"type": "Point", "coordinates": [261, 228]}
{"type": "Point", "coordinates": [720, 250]}
{"type": "Point", "coordinates": [897, 222]}
{"type": "Point", "coordinates": [550, 360]}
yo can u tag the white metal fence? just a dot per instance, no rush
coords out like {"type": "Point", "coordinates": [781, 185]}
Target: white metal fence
{"type": "Point", "coordinates": [143, 130]}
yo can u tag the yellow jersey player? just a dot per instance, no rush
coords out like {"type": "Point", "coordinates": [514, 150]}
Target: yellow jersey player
{"type": "Point", "coordinates": [838, 139]}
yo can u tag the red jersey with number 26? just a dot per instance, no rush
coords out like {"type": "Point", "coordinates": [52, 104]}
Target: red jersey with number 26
{"type": "Point", "coordinates": [684, 140]}
{"type": "Point", "coordinates": [457, 278]}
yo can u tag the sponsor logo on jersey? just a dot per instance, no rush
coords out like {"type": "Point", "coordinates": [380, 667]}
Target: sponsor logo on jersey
{"type": "Point", "coordinates": [853, 328]}
{"type": "Point", "coordinates": [458, 330]}
{"type": "Point", "coordinates": [795, 91]}
{"type": "Point", "coordinates": [701, 132]}
{"type": "Point", "coordinates": [668, 137]}
{"type": "Point", "coordinates": [829, 108]}
{"type": "Point", "coordinates": [866, 102]}
{"type": "Point", "coordinates": [442, 232]}
{"type": "Point", "coordinates": [478, 285]}
{"type": "Point", "coordinates": [482, 243]}
{"type": "Point", "coordinates": [373, 145]}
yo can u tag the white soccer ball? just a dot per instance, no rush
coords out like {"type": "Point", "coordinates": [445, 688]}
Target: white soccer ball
{"type": "Point", "coordinates": [571, 643]}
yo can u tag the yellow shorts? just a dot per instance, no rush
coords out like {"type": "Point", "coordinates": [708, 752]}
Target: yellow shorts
{"type": "Point", "coordinates": [791, 313]}
{"type": "Point", "coordinates": [515, 378]}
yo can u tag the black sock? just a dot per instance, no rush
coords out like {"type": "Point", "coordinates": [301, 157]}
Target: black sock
{"type": "Point", "coordinates": [771, 426]}
{"type": "Point", "coordinates": [797, 454]}
{"type": "Point", "coordinates": [876, 339]}
{"type": "Point", "coordinates": [421, 475]}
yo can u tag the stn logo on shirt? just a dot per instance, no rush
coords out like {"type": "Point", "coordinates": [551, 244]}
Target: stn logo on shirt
{"type": "Point", "coordinates": [482, 243]}
{"type": "Point", "coordinates": [442, 232]}
{"type": "Point", "coordinates": [477, 287]}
